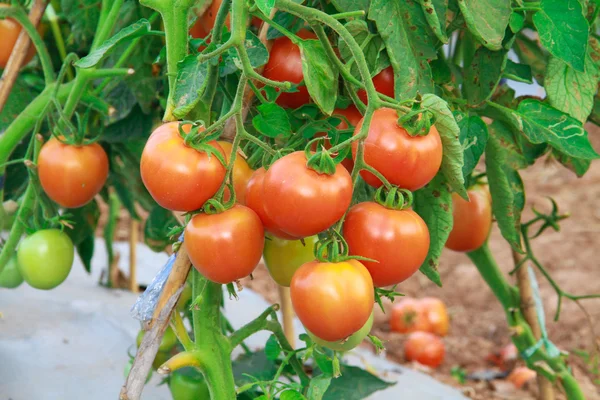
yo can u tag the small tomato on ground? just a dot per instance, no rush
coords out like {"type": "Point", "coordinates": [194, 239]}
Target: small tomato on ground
{"type": "Point", "coordinates": [424, 348]}
{"type": "Point", "coordinates": [520, 376]}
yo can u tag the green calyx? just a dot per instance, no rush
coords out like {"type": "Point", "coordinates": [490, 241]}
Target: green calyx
{"type": "Point", "coordinates": [321, 161]}
{"type": "Point", "coordinates": [394, 198]}
{"type": "Point", "coordinates": [417, 122]}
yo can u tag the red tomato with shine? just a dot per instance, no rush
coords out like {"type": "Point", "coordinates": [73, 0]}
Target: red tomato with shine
{"type": "Point", "coordinates": [301, 201]}
{"type": "Point", "coordinates": [397, 239]}
{"type": "Point", "coordinates": [384, 84]}
{"type": "Point", "coordinates": [472, 220]}
{"type": "Point", "coordinates": [227, 246]}
{"type": "Point", "coordinates": [332, 300]}
{"type": "Point", "coordinates": [407, 161]}
{"type": "Point", "coordinates": [255, 201]}
{"type": "Point", "coordinates": [285, 65]}
{"type": "Point", "coordinates": [424, 348]}
{"type": "Point", "coordinates": [179, 177]}
{"type": "Point", "coordinates": [72, 175]}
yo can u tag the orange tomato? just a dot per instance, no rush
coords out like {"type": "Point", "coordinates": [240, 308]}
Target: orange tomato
{"type": "Point", "coordinates": [436, 315]}
{"type": "Point", "coordinates": [520, 376]}
{"type": "Point", "coordinates": [240, 175]}
{"type": "Point", "coordinates": [332, 300]}
{"type": "Point", "coordinates": [424, 348]}
{"type": "Point", "coordinates": [472, 220]}
{"type": "Point", "coordinates": [409, 316]}
{"type": "Point", "coordinates": [9, 32]}
{"type": "Point", "coordinates": [72, 175]}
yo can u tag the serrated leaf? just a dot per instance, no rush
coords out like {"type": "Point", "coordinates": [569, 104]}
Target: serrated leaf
{"type": "Point", "coordinates": [190, 84]}
{"type": "Point", "coordinates": [265, 5]}
{"type": "Point", "coordinates": [371, 44]}
{"type": "Point", "coordinates": [157, 227]}
{"type": "Point", "coordinates": [473, 138]}
{"type": "Point", "coordinates": [291, 395]}
{"type": "Point", "coordinates": [530, 53]}
{"type": "Point", "coordinates": [355, 384]}
{"type": "Point", "coordinates": [272, 121]}
{"type": "Point", "coordinates": [318, 386]}
{"type": "Point", "coordinates": [435, 14]}
{"type": "Point", "coordinates": [351, 5]}
{"type": "Point", "coordinates": [563, 30]}
{"type": "Point", "coordinates": [487, 20]}
{"type": "Point", "coordinates": [569, 90]}
{"type": "Point", "coordinates": [272, 348]}
{"type": "Point", "coordinates": [137, 29]}
{"type": "Point", "coordinates": [518, 72]}
{"type": "Point", "coordinates": [434, 204]}
{"type": "Point", "coordinates": [257, 53]}
{"type": "Point", "coordinates": [410, 44]}
{"type": "Point", "coordinates": [506, 188]}
{"type": "Point", "coordinates": [483, 74]}
{"type": "Point", "coordinates": [320, 75]}
{"type": "Point", "coordinates": [452, 158]}
{"type": "Point", "coordinates": [83, 16]}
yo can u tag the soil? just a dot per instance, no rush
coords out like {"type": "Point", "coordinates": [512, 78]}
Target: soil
{"type": "Point", "coordinates": [478, 326]}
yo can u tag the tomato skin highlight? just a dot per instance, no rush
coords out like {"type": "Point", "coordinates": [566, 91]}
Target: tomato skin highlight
{"type": "Point", "coordinates": [407, 161]}
{"type": "Point", "coordinates": [293, 192]}
{"type": "Point", "coordinates": [240, 174]}
{"type": "Point", "coordinates": [424, 348]}
{"type": "Point", "coordinates": [332, 300]}
{"type": "Point", "coordinates": [397, 239]}
{"type": "Point", "coordinates": [72, 175]}
{"type": "Point", "coordinates": [255, 201]}
{"type": "Point", "coordinates": [11, 277]}
{"type": "Point", "coordinates": [178, 177]}
{"type": "Point", "coordinates": [384, 84]}
{"type": "Point", "coordinates": [45, 258]}
{"type": "Point", "coordinates": [227, 246]}
{"type": "Point", "coordinates": [285, 64]}
{"type": "Point", "coordinates": [353, 341]}
{"type": "Point", "coordinates": [283, 257]}
{"type": "Point", "coordinates": [472, 220]}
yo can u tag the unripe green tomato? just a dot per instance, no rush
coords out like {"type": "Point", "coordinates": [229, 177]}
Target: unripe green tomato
{"type": "Point", "coordinates": [283, 257]}
{"type": "Point", "coordinates": [188, 384]}
{"type": "Point", "coordinates": [128, 368]}
{"type": "Point", "coordinates": [45, 258]}
{"type": "Point", "coordinates": [183, 303]}
{"type": "Point", "coordinates": [168, 340]}
{"type": "Point", "coordinates": [11, 277]}
{"type": "Point", "coordinates": [354, 340]}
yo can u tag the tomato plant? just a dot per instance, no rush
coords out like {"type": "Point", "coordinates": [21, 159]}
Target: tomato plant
{"type": "Point", "coordinates": [322, 291]}
{"type": "Point", "coordinates": [472, 220]}
{"type": "Point", "coordinates": [283, 257]}
{"type": "Point", "coordinates": [424, 348]}
{"type": "Point", "coordinates": [45, 258]}
{"type": "Point", "coordinates": [210, 237]}
{"type": "Point", "coordinates": [72, 175]}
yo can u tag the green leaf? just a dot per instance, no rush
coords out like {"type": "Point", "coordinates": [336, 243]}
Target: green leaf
{"type": "Point", "coordinates": [272, 121]}
{"type": "Point", "coordinates": [137, 29]}
{"type": "Point", "coordinates": [518, 72]}
{"type": "Point", "coordinates": [85, 250]}
{"type": "Point", "coordinates": [530, 53]}
{"type": "Point", "coordinates": [255, 364]}
{"type": "Point", "coordinates": [482, 76]}
{"type": "Point", "coordinates": [516, 21]}
{"type": "Point", "coordinates": [563, 30]}
{"type": "Point", "coordinates": [157, 227]}
{"type": "Point", "coordinates": [289, 21]}
{"type": "Point", "coordinates": [452, 159]}
{"type": "Point", "coordinates": [190, 85]}
{"type": "Point", "coordinates": [324, 362]}
{"type": "Point", "coordinates": [114, 208]}
{"type": "Point", "coordinates": [265, 6]}
{"type": "Point", "coordinates": [18, 98]}
{"type": "Point", "coordinates": [272, 348]}
{"type": "Point", "coordinates": [362, 191]}
{"type": "Point", "coordinates": [291, 395]}
{"type": "Point", "coordinates": [84, 221]}
{"type": "Point", "coordinates": [320, 75]}
{"type": "Point", "coordinates": [354, 384]}
{"type": "Point", "coordinates": [473, 138]}
{"type": "Point", "coordinates": [577, 165]}
{"type": "Point", "coordinates": [82, 16]}
{"type": "Point", "coordinates": [595, 115]}
{"type": "Point", "coordinates": [435, 14]}
{"type": "Point", "coordinates": [371, 44]}
{"type": "Point", "coordinates": [569, 90]}
{"type": "Point", "coordinates": [410, 43]}
{"type": "Point", "coordinates": [506, 188]}
{"type": "Point", "coordinates": [257, 53]}
{"type": "Point", "coordinates": [434, 204]}
{"type": "Point", "coordinates": [135, 126]}
{"type": "Point", "coordinates": [351, 5]}
{"type": "Point", "coordinates": [487, 20]}
{"type": "Point", "coordinates": [318, 386]}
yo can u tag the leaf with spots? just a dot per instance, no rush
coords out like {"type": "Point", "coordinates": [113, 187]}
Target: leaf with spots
{"type": "Point", "coordinates": [483, 74]}
{"type": "Point", "coordinates": [487, 20]}
{"type": "Point", "coordinates": [190, 85]}
{"type": "Point", "coordinates": [435, 14]}
{"type": "Point", "coordinates": [473, 138]}
{"type": "Point", "coordinates": [531, 54]}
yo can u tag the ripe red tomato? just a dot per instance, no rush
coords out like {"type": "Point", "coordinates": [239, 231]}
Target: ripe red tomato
{"type": "Point", "coordinates": [9, 32]}
{"type": "Point", "coordinates": [353, 116]}
{"type": "Point", "coordinates": [408, 316]}
{"type": "Point", "coordinates": [301, 201]}
{"type": "Point", "coordinates": [255, 201]}
{"type": "Point", "coordinates": [424, 348]}
{"type": "Point", "coordinates": [384, 84]}
{"type": "Point", "coordinates": [407, 161]}
{"type": "Point", "coordinates": [241, 174]}
{"type": "Point", "coordinates": [472, 220]}
{"type": "Point", "coordinates": [285, 64]}
{"type": "Point", "coordinates": [227, 246]}
{"type": "Point", "coordinates": [397, 239]}
{"type": "Point", "coordinates": [284, 257]}
{"type": "Point", "coordinates": [346, 345]}
{"type": "Point", "coordinates": [179, 177]}
{"type": "Point", "coordinates": [72, 175]}
{"type": "Point", "coordinates": [436, 315]}
{"type": "Point", "coordinates": [332, 300]}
